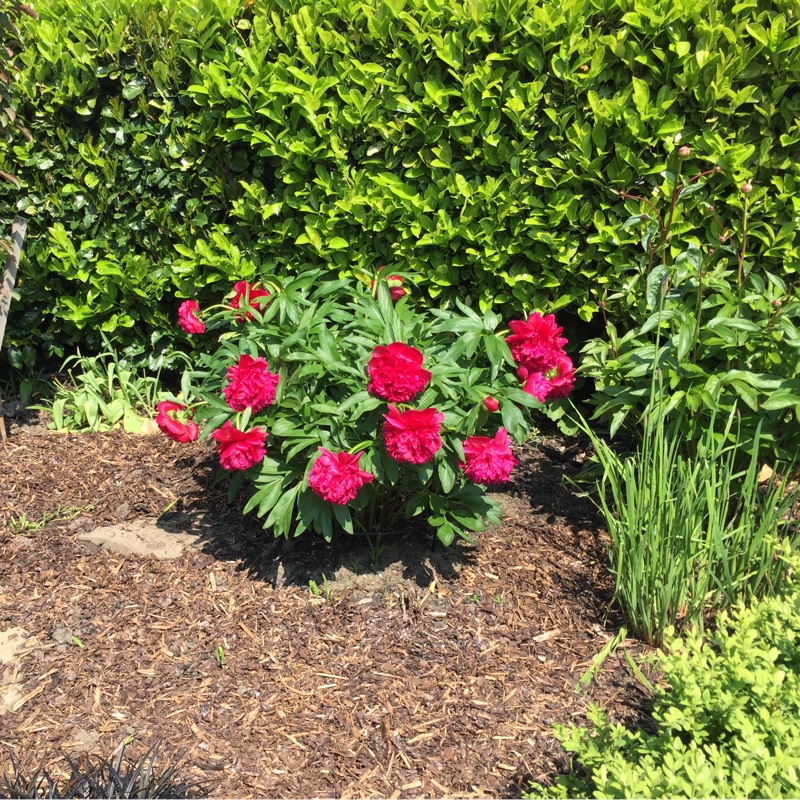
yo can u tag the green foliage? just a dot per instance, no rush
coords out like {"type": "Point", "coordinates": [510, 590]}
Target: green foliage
{"type": "Point", "coordinates": [482, 146]}
{"type": "Point", "coordinates": [728, 717]}
{"type": "Point", "coordinates": [103, 392]}
{"type": "Point", "coordinates": [690, 533]}
{"type": "Point", "coordinates": [318, 337]}
{"type": "Point", "coordinates": [10, 43]}
{"type": "Point", "coordinates": [721, 330]}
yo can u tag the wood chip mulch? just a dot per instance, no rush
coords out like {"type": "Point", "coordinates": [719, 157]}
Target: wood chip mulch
{"type": "Point", "coordinates": [438, 674]}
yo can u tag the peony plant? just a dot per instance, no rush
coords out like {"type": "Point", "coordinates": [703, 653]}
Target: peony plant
{"type": "Point", "coordinates": [346, 407]}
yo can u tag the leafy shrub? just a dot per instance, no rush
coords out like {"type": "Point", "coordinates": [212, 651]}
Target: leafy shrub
{"type": "Point", "coordinates": [728, 717]}
{"type": "Point", "coordinates": [720, 329]}
{"type": "Point", "coordinates": [347, 410]}
{"type": "Point", "coordinates": [186, 145]}
{"type": "Point", "coordinates": [10, 43]}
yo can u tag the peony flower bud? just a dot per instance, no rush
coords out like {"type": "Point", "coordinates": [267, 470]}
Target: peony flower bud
{"type": "Point", "coordinates": [490, 404]}
{"type": "Point", "coordinates": [684, 152]}
{"type": "Point", "coordinates": [776, 303]}
{"type": "Point", "coordinates": [747, 187]}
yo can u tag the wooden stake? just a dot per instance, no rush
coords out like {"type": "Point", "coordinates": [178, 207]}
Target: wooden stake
{"type": "Point", "coordinates": [9, 278]}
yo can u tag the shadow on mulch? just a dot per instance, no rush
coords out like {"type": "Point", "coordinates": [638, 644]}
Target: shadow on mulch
{"type": "Point", "coordinates": [415, 552]}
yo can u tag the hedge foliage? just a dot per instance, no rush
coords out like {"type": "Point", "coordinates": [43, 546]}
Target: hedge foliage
{"type": "Point", "coordinates": [728, 722]}
{"type": "Point", "coordinates": [482, 145]}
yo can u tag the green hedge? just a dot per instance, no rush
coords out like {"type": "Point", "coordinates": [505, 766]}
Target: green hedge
{"type": "Point", "coordinates": [482, 145]}
{"type": "Point", "coordinates": [728, 723]}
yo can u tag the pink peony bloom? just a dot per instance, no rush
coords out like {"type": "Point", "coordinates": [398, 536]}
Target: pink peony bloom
{"type": "Point", "coordinates": [242, 290]}
{"type": "Point", "coordinates": [187, 317]}
{"type": "Point", "coordinates": [489, 461]}
{"type": "Point", "coordinates": [395, 373]}
{"type": "Point", "coordinates": [562, 378]}
{"type": "Point", "coordinates": [537, 385]}
{"type": "Point", "coordinates": [251, 384]}
{"type": "Point", "coordinates": [490, 404]}
{"type": "Point", "coordinates": [176, 430]}
{"type": "Point", "coordinates": [535, 344]}
{"type": "Point", "coordinates": [413, 436]}
{"type": "Point", "coordinates": [555, 383]}
{"type": "Point", "coordinates": [335, 477]}
{"type": "Point", "coordinates": [240, 449]}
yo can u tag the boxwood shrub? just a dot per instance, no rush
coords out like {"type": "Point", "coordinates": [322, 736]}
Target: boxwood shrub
{"type": "Point", "coordinates": [482, 145]}
{"type": "Point", "coordinates": [728, 717]}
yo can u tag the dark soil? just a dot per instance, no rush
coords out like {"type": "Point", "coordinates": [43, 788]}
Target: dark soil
{"type": "Point", "coordinates": [427, 672]}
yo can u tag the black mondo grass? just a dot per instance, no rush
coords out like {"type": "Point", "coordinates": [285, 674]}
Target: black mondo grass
{"type": "Point", "coordinates": [115, 777]}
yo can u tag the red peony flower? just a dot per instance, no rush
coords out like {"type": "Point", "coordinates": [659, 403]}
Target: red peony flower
{"type": "Point", "coordinates": [489, 461]}
{"type": "Point", "coordinates": [187, 319]}
{"type": "Point", "coordinates": [490, 404]}
{"type": "Point", "coordinates": [176, 430]}
{"type": "Point", "coordinates": [562, 378]}
{"type": "Point", "coordinates": [537, 385]}
{"type": "Point", "coordinates": [251, 384]}
{"type": "Point", "coordinates": [240, 449]}
{"type": "Point", "coordinates": [335, 477]}
{"type": "Point", "coordinates": [413, 436]}
{"type": "Point", "coordinates": [395, 373]}
{"type": "Point", "coordinates": [535, 344]}
{"type": "Point", "coordinates": [245, 293]}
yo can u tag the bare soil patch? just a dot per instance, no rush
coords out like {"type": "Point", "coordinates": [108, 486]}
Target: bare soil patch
{"type": "Point", "coordinates": [430, 671]}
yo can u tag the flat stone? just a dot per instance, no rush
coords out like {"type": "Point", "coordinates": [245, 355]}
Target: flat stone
{"type": "Point", "coordinates": [10, 696]}
{"type": "Point", "coordinates": [12, 643]}
{"type": "Point", "coordinates": [140, 537]}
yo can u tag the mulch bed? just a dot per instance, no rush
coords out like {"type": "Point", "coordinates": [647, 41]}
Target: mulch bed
{"type": "Point", "coordinates": [439, 673]}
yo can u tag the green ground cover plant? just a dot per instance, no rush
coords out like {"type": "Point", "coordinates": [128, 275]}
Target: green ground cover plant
{"type": "Point", "coordinates": [483, 146]}
{"type": "Point", "coordinates": [727, 715]}
{"type": "Point", "coordinates": [104, 391]}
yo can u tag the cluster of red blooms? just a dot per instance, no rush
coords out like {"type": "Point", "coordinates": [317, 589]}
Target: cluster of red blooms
{"type": "Point", "coordinates": [538, 351]}
{"type": "Point", "coordinates": [397, 376]}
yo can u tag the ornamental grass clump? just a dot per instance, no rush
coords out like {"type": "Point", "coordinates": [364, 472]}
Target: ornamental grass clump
{"type": "Point", "coordinates": [691, 533]}
{"type": "Point", "coordinates": [344, 406]}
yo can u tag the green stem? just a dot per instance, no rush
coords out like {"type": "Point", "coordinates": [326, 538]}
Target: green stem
{"type": "Point", "coordinates": [742, 253]}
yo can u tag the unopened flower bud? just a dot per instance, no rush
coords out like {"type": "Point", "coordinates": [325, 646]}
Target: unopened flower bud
{"type": "Point", "coordinates": [490, 404]}
{"type": "Point", "coordinates": [643, 217]}
{"type": "Point", "coordinates": [602, 304]}
{"type": "Point", "coordinates": [718, 168]}
{"type": "Point", "coordinates": [711, 208]}
{"type": "Point", "coordinates": [684, 152]}
{"type": "Point", "coordinates": [723, 237]}
{"type": "Point", "coordinates": [776, 303]}
{"type": "Point", "coordinates": [747, 187]}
